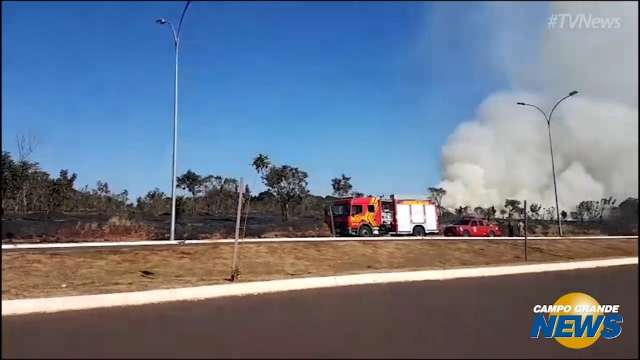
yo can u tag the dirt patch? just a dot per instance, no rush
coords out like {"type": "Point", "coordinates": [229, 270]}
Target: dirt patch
{"type": "Point", "coordinates": [27, 275]}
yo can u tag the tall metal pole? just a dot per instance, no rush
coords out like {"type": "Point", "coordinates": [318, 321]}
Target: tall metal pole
{"type": "Point", "coordinates": [553, 166]}
{"type": "Point", "coordinates": [555, 188]}
{"type": "Point", "coordinates": [175, 146]}
{"type": "Point", "coordinates": [525, 230]}
{"type": "Point", "coordinates": [176, 43]}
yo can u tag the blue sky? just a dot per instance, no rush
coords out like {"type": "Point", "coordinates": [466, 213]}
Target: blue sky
{"type": "Point", "coordinates": [369, 89]}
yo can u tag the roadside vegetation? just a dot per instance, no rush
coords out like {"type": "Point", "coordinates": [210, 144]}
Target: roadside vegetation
{"type": "Point", "coordinates": [206, 206]}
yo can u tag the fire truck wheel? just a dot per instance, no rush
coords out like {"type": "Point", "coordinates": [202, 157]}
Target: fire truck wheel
{"type": "Point", "coordinates": [418, 231]}
{"type": "Point", "coordinates": [466, 234]}
{"type": "Point", "coordinates": [365, 230]}
{"type": "Point", "coordinates": [492, 234]}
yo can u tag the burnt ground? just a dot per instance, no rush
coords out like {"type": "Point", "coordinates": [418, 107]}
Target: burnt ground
{"type": "Point", "coordinates": [79, 227]}
{"type": "Point", "coordinates": [100, 227]}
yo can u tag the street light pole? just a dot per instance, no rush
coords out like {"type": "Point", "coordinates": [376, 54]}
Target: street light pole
{"type": "Point", "coordinates": [176, 43]}
{"type": "Point", "coordinates": [553, 165]}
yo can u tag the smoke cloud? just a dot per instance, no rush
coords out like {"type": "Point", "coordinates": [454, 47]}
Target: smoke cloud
{"type": "Point", "coordinates": [503, 151]}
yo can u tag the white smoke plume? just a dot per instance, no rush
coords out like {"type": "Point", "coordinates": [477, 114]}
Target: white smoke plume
{"type": "Point", "coordinates": [503, 151]}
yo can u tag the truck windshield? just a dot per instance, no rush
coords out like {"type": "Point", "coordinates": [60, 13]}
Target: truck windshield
{"type": "Point", "coordinates": [340, 210]}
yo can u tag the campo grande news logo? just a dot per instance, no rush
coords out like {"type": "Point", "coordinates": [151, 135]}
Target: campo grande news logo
{"type": "Point", "coordinates": [576, 321]}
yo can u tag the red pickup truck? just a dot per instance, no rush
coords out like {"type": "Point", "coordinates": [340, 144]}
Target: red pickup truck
{"type": "Point", "coordinates": [472, 227]}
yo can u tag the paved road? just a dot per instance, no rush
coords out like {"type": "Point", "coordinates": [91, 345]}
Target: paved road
{"type": "Point", "coordinates": [481, 317]}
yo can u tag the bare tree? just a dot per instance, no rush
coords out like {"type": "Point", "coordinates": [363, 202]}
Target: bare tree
{"type": "Point", "coordinates": [462, 211]}
{"type": "Point", "coordinates": [480, 212]}
{"type": "Point", "coordinates": [436, 194]}
{"type": "Point", "coordinates": [606, 203]}
{"type": "Point", "coordinates": [26, 145]}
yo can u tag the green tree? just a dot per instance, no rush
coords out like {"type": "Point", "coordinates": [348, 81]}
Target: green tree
{"type": "Point", "coordinates": [341, 186]}
{"type": "Point", "coordinates": [261, 163]}
{"type": "Point", "coordinates": [513, 207]}
{"type": "Point", "coordinates": [101, 195]}
{"type": "Point", "coordinates": [122, 198]}
{"type": "Point", "coordinates": [535, 210]}
{"type": "Point", "coordinates": [61, 190]}
{"type": "Point", "coordinates": [155, 201]}
{"type": "Point", "coordinates": [9, 185]}
{"type": "Point", "coordinates": [491, 212]}
{"type": "Point", "coordinates": [574, 215]}
{"type": "Point", "coordinates": [630, 207]}
{"type": "Point", "coordinates": [550, 212]}
{"type": "Point", "coordinates": [287, 184]}
{"type": "Point", "coordinates": [102, 188]}
{"type": "Point", "coordinates": [181, 206]}
{"type": "Point", "coordinates": [563, 215]}
{"type": "Point", "coordinates": [38, 196]}
{"type": "Point", "coordinates": [22, 176]}
{"type": "Point", "coordinates": [192, 182]}
{"type": "Point", "coordinates": [623, 219]}
{"type": "Point", "coordinates": [230, 189]}
{"type": "Point", "coordinates": [587, 210]}
{"type": "Point", "coordinates": [212, 187]}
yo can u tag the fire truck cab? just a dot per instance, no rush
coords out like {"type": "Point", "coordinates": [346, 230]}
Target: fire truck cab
{"type": "Point", "coordinates": [371, 215]}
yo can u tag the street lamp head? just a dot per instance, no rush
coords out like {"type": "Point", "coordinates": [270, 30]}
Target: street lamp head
{"type": "Point", "coordinates": [521, 103]}
{"type": "Point", "coordinates": [573, 93]}
{"type": "Point", "coordinates": [161, 21]}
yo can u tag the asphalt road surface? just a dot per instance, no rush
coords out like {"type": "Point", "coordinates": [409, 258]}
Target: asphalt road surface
{"type": "Point", "coordinates": [480, 317]}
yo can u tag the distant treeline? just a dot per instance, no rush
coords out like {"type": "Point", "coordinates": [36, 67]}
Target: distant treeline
{"type": "Point", "coordinates": [26, 188]}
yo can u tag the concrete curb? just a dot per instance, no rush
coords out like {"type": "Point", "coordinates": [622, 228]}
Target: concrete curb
{"type": "Point", "coordinates": [116, 244]}
{"type": "Point", "coordinates": [83, 302]}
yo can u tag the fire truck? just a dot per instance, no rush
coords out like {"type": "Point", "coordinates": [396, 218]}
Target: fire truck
{"type": "Point", "coordinates": [393, 215]}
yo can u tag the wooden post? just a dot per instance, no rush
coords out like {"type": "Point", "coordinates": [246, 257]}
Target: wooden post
{"type": "Point", "coordinates": [234, 268]}
{"type": "Point", "coordinates": [333, 228]}
{"type": "Point", "coordinates": [525, 230]}
{"type": "Point", "coordinates": [246, 215]}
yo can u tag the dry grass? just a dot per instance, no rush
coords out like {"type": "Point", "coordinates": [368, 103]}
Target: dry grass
{"type": "Point", "coordinates": [26, 275]}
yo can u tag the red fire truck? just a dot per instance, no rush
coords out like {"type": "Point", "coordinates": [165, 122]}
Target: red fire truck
{"type": "Point", "coordinates": [371, 215]}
